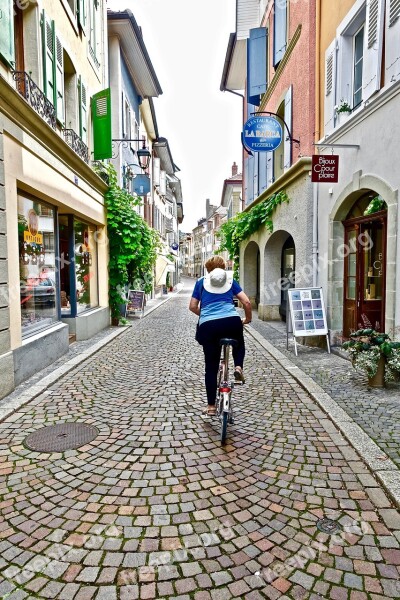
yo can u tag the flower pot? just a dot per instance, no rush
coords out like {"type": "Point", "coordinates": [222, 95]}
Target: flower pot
{"type": "Point", "coordinates": [115, 321]}
{"type": "Point", "coordinates": [378, 380]}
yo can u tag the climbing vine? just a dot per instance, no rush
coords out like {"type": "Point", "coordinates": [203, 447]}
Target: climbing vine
{"type": "Point", "coordinates": [133, 244]}
{"type": "Point", "coordinates": [242, 226]}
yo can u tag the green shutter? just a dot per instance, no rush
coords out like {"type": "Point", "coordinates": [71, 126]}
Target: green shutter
{"type": "Point", "coordinates": [7, 31]}
{"type": "Point", "coordinates": [101, 118]}
{"type": "Point", "coordinates": [48, 43]}
{"type": "Point", "coordinates": [59, 79]}
{"type": "Point", "coordinates": [82, 94]}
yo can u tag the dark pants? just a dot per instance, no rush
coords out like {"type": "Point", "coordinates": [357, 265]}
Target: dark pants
{"type": "Point", "coordinates": [209, 336]}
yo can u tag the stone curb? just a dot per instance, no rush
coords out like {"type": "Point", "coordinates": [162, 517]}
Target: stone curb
{"type": "Point", "coordinates": [380, 464]}
{"type": "Point", "coordinates": [13, 405]}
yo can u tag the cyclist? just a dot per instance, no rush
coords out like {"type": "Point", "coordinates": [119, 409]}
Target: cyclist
{"type": "Point", "coordinates": [212, 301]}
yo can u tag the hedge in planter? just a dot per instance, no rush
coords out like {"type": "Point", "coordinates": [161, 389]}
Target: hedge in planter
{"type": "Point", "coordinates": [367, 346]}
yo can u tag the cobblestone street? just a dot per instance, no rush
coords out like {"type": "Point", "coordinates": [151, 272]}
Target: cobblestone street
{"type": "Point", "coordinates": [155, 507]}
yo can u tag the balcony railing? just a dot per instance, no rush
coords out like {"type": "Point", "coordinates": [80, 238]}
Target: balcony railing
{"type": "Point", "coordinates": [75, 142]}
{"type": "Point", "coordinates": [35, 97]}
{"type": "Point", "coordinates": [169, 225]}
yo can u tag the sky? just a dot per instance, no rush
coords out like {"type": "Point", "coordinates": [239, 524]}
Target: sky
{"type": "Point", "coordinates": [187, 42]}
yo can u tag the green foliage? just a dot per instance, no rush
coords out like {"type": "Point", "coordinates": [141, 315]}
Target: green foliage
{"type": "Point", "coordinates": [133, 244]}
{"type": "Point", "coordinates": [375, 205]}
{"type": "Point", "coordinates": [241, 227]}
{"type": "Point", "coordinates": [367, 346]}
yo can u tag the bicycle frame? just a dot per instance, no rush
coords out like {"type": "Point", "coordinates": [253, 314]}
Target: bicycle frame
{"type": "Point", "coordinates": [224, 391]}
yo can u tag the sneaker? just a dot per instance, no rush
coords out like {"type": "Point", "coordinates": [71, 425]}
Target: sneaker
{"type": "Point", "coordinates": [238, 375]}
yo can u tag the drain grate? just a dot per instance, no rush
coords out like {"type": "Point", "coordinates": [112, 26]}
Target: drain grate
{"type": "Point", "coordinates": [328, 526]}
{"type": "Point", "coordinates": [64, 436]}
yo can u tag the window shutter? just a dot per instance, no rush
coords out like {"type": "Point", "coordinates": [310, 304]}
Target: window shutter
{"type": "Point", "coordinates": [249, 161]}
{"type": "Point", "coordinates": [48, 43]}
{"type": "Point", "coordinates": [330, 87]}
{"type": "Point", "coordinates": [255, 176]}
{"type": "Point", "coordinates": [81, 10]}
{"type": "Point", "coordinates": [392, 46]}
{"type": "Point", "coordinates": [123, 114]}
{"type": "Point", "coordinates": [257, 49]}
{"type": "Point", "coordinates": [82, 95]}
{"type": "Point", "coordinates": [287, 152]}
{"type": "Point", "coordinates": [262, 171]}
{"type": "Point", "coordinates": [270, 168]}
{"type": "Point", "coordinates": [373, 44]}
{"type": "Point", "coordinates": [7, 31]}
{"type": "Point", "coordinates": [280, 30]}
{"type": "Point", "coordinates": [101, 118]}
{"type": "Point", "coordinates": [59, 79]}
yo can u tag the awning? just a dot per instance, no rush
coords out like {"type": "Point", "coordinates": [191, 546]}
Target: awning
{"type": "Point", "coordinates": [163, 266]}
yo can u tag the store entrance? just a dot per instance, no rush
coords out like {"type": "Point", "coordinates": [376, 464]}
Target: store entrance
{"type": "Point", "coordinates": [365, 273]}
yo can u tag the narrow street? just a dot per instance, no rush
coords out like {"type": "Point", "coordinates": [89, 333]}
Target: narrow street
{"type": "Point", "coordinates": [155, 507]}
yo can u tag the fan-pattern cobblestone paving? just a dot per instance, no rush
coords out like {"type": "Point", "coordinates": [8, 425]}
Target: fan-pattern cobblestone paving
{"type": "Point", "coordinates": [376, 411]}
{"type": "Point", "coordinates": [155, 507]}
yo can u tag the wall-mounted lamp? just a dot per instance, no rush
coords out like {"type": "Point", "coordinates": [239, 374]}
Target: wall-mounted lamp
{"type": "Point", "coordinates": [143, 153]}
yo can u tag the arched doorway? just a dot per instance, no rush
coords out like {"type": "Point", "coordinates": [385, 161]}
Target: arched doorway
{"type": "Point", "coordinates": [251, 273]}
{"type": "Point", "coordinates": [288, 266]}
{"type": "Point", "coordinates": [364, 252]}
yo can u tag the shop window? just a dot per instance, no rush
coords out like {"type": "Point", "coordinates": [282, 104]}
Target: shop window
{"type": "Point", "coordinates": [78, 266]}
{"type": "Point", "coordinates": [38, 281]}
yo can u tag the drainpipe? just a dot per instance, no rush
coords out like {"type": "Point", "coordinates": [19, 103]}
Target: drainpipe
{"type": "Point", "coordinates": [317, 101]}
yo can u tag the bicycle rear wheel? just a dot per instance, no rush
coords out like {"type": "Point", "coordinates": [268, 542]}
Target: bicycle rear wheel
{"type": "Point", "coordinates": [224, 426]}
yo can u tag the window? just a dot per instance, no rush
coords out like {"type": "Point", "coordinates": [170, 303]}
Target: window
{"type": "Point", "coordinates": [280, 30]}
{"type": "Point", "coordinates": [38, 287]}
{"type": "Point", "coordinates": [358, 55]}
{"type": "Point", "coordinates": [94, 31]}
{"type": "Point", "coordinates": [7, 31]}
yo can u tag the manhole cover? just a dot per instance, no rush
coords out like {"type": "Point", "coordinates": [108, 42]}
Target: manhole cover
{"type": "Point", "coordinates": [57, 438]}
{"type": "Point", "coordinates": [328, 526]}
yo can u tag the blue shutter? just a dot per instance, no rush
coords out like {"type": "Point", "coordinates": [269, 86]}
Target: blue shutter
{"type": "Point", "coordinates": [262, 171]}
{"type": "Point", "coordinates": [7, 31]}
{"type": "Point", "coordinates": [280, 30]}
{"type": "Point", "coordinates": [257, 49]}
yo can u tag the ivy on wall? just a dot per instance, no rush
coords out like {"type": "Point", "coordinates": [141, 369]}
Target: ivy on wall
{"type": "Point", "coordinates": [242, 226]}
{"type": "Point", "coordinates": [133, 245]}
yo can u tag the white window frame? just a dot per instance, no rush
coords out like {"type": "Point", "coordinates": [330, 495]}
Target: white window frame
{"type": "Point", "coordinates": [353, 91]}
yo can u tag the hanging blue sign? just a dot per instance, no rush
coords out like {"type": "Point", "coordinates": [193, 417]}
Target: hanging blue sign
{"type": "Point", "coordinates": [141, 185]}
{"type": "Point", "coordinates": [262, 134]}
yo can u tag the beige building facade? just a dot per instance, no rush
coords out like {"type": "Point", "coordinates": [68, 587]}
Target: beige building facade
{"type": "Point", "coordinates": [53, 244]}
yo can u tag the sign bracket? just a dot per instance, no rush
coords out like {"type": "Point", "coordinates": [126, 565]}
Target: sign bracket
{"type": "Point", "coordinates": [267, 112]}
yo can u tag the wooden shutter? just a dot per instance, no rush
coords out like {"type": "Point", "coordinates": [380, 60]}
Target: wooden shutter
{"type": "Point", "coordinates": [287, 152]}
{"type": "Point", "coordinates": [82, 95]}
{"type": "Point", "coordinates": [257, 65]}
{"type": "Point", "coordinates": [330, 87]}
{"type": "Point", "coordinates": [101, 117]}
{"type": "Point", "coordinates": [7, 31]}
{"type": "Point", "coordinates": [373, 43]}
{"type": "Point", "coordinates": [280, 30]}
{"type": "Point", "coordinates": [48, 46]}
{"type": "Point", "coordinates": [392, 42]}
{"type": "Point", "coordinates": [270, 168]}
{"type": "Point", "coordinates": [262, 172]}
{"type": "Point", "coordinates": [59, 79]}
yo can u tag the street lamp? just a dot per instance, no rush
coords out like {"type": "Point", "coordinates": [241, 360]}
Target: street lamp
{"type": "Point", "coordinates": [144, 156]}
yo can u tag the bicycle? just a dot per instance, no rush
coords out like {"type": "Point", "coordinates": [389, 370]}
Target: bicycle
{"type": "Point", "coordinates": [224, 388]}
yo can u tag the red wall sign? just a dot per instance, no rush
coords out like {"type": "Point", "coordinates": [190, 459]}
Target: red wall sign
{"type": "Point", "coordinates": [325, 169]}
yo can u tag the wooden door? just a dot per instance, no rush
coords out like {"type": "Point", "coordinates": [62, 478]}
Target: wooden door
{"type": "Point", "coordinates": [365, 273]}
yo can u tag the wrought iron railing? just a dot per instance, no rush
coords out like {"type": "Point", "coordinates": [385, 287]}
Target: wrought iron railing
{"type": "Point", "coordinates": [35, 97]}
{"type": "Point", "coordinates": [169, 225]}
{"type": "Point", "coordinates": [75, 142]}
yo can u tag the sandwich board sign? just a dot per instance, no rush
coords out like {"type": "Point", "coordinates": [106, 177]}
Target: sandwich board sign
{"type": "Point", "coordinates": [136, 299]}
{"type": "Point", "coordinates": [306, 314]}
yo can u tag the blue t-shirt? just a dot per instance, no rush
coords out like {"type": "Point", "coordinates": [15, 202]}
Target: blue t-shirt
{"type": "Point", "coordinates": [216, 306]}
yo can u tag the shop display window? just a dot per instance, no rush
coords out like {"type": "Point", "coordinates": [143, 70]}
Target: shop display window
{"type": "Point", "coordinates": [38, 281]}
{"type": "Point", "coordinates": [78, 266]}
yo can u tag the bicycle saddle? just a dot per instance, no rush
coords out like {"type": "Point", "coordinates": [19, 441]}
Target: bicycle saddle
{"type": "Point", "coordinates": [228, 342]}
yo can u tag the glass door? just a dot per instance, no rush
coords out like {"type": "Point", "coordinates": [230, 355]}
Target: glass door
{"type": "Point", "coordinates": [287, 273]}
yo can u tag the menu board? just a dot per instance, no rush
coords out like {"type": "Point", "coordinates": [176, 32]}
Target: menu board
{"type": "Point", "coordinates": [307, 311]}
{"type": "Point", "coordinates": [135, 300]}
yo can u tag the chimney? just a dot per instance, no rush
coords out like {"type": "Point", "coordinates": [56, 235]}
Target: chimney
{"type": "Point", "coordinates": [234, 169]}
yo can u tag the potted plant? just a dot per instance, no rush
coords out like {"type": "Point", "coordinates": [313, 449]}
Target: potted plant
{"type": "Point", "coordinates": [375, 354]}
{"type": "Point", "coordinates": [343, 107]}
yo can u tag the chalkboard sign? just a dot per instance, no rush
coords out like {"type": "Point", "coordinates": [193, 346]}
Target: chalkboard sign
{"type": "Point", "coordinates": [136, 299]}
{"type": "Point", "coordinates": [306, 314]}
